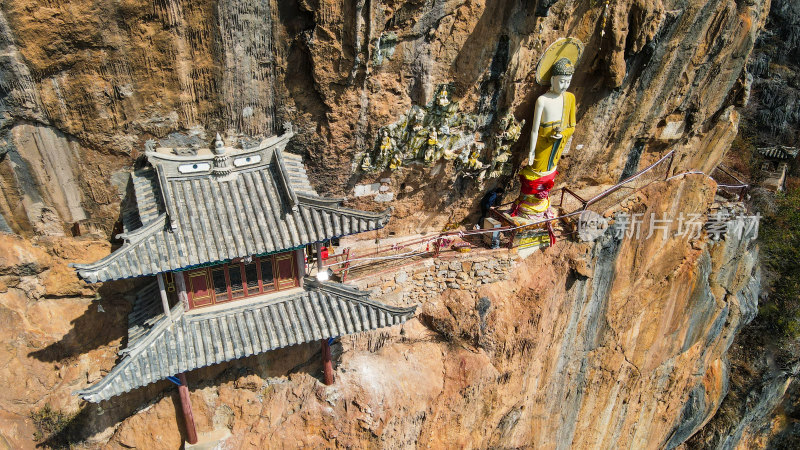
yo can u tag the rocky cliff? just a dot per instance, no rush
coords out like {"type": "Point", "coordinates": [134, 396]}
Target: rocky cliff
{"type": "Point", "coordinates": [762, 406]}
{"type": "Point", "coordinates": [633, 332]}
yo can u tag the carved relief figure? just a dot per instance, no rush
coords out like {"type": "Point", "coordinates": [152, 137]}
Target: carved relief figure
{"type": "Point", "coordinates": [507, 135]}
{"type": "Point", "coordinates": [438, 131]}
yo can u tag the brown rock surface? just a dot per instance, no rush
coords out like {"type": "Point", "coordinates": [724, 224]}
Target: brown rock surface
{"type": "Point", "coordinates": [107, 77]}
{"type": "Point", "coordinates": [630, 356]}
{"type": "Point", "coordinates": [620, 343]}
{"type": "Point", "coordinates": [53, 332]}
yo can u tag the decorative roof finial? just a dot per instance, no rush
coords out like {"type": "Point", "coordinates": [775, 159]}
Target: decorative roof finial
{"type": "Point", "coordinates": [221, 163]}
{"type": "Point", "coordinates": [218, 145]}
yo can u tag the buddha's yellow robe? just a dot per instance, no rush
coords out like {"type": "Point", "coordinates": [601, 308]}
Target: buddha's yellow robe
{"type": "Point", "coordinates": [547, 132]}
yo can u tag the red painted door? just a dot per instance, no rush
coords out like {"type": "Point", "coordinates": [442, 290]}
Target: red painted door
{"type": "Point", "coordinates": [286, 274]}
{"type": "Point", "coordinates": [199, 289]}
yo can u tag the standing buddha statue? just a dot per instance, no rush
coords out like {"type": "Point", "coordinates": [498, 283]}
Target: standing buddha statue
{"type": "Point", "coordinates": [553, 124]}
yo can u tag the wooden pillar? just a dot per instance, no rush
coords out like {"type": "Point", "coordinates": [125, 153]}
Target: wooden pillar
{"type": "Point", "coordinates": [319, 256]}
{"type": "Point", "coordinates": [301, 264]}
{"type": "Point", "coordinates": [346, 265]}
{"type": "Point", "coordinates": [164, 299]}
{"type": "Point", "coordinates": [327, 365]}
{"type": "Point", "coordinates": [181, 285]}
{"type": "Point", "coordinates": [186, 406]}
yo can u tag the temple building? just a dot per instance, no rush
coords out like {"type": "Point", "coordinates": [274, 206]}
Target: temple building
{"type": "Point", "coordinates": [223, 232]}
{"type": "Point", "coordinates": [775, 166]}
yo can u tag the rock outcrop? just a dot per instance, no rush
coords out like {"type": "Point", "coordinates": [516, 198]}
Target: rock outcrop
{"type": "Point", "coordinates": [618, 342]}
{"type": "Point", "coordinates": [761, 409]}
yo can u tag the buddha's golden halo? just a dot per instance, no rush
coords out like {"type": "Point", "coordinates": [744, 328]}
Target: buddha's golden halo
{"type": "Point", "coordinates": [569, 48]}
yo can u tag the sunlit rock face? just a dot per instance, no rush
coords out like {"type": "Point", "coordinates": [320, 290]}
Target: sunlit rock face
{"type": "Point", "coordinates": [584, 346]}
{"type": "Point", "coordinates": [612, 342]}
{"type": "Point", "coordinates": [111, 76]}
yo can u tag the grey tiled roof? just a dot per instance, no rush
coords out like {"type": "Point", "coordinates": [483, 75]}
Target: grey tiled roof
{"type": "Point", "coordinates": [140, 205]}
{"type": "Point", "coordinates": [185, 220]}
{"type": "Point", "coordinates": [779, 152]}
{"type": "Point", "coordinates": [156, 350]}
{"type": "Point", "coordinates": [146, 312]}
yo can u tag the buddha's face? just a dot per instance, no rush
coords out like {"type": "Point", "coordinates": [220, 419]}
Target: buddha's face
{"type": "Point", "coordinates": [560, 83]}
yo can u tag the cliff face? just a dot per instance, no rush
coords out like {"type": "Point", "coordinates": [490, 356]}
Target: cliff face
{"type": "Point", "coordinates": [762, 407]}
{"type": "Point", "coordinates": [633, 332]}
{"type": "Point", "coordinates": [86, 87]}
{"type": "Point", "coordinates": [566, 353]}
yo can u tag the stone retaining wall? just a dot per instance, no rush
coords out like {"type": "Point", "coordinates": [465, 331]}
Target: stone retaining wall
{"type": "Point", "coordinates": [416, 283]}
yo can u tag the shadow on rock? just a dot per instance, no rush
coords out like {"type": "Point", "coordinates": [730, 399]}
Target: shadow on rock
{"type": "Point", "coordinates": [58, 430]}
{"type": "Point", "coordinates": [103, 322]}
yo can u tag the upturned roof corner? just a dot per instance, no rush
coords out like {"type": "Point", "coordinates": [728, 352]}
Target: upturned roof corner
{"type": "Point", "coordinates": [183, 213]}
{"type": "Point", "coordinates": [159, 346]}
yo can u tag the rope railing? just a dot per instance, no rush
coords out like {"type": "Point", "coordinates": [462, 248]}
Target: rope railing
{"type": "Point", "coordinates": [669, 156]}
{"type": "Point", "coordinates": [601, 203]}
{"type": "Point", "coordinates": [729, 182]}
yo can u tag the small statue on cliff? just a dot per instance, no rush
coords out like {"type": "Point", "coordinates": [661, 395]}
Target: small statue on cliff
{"type": "Point", "coordinates": [473, 163]}
{"type": "Point", "coordinates": [442, 98]}
{"type": "Point", "coordinates": [397, 161]}
{"type": "Point", "coordinates": [387, 145]}
{"type": "Point", "coordinates": [426, 134]}
{"type": "Point", "coordinates": [511, 128]}
{"type": "Point", "coordinates": [507, 135]}
{"type": "Point", "coordinates": [553, 124]}
{"type": "Point", "coordinates": [417, 119]}
{"type": "Point", "coordinates": [366, 163]}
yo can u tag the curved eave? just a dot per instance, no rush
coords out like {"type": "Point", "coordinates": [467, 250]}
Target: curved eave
{"type": "Point", "coordinates": [379, 219]}
{"type": "Point", "coordinates": [153, 249]}
{"type": "Point", "coordinates": [99, 270]}
{"type": "Point", "coordinates": [323, 310]}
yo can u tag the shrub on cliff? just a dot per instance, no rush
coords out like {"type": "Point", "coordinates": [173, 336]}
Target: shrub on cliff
{"type": "Point", "coordinates": [780, 240]}
{"type": "Point", "coordinates": [56, 429]}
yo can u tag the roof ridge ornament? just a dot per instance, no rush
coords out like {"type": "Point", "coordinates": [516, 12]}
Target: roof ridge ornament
{"type": "Point", "coordinates": [222, 166]}
{"type": "Point", "coordinates": [219, 145]}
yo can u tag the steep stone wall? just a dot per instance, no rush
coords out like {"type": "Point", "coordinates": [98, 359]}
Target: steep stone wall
{"type": "Point", "coordinates": [622, 342]}
{"type": "Point", "coordinates": [761, 409]}
{"type": "Point", "coordinates": [424, 280]}
{"type": "Point", "coordinates": [112, 76]}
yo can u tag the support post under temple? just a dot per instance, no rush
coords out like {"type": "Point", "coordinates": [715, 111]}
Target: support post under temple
{"type": "Point", "coordinates": [186, 406]}
{"type": "Point", "coordinates": [181, 285]}
{"type": "Point", "coordinates": [319, 256]}
{"type": "Point", "coordinates": [327, 364]}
